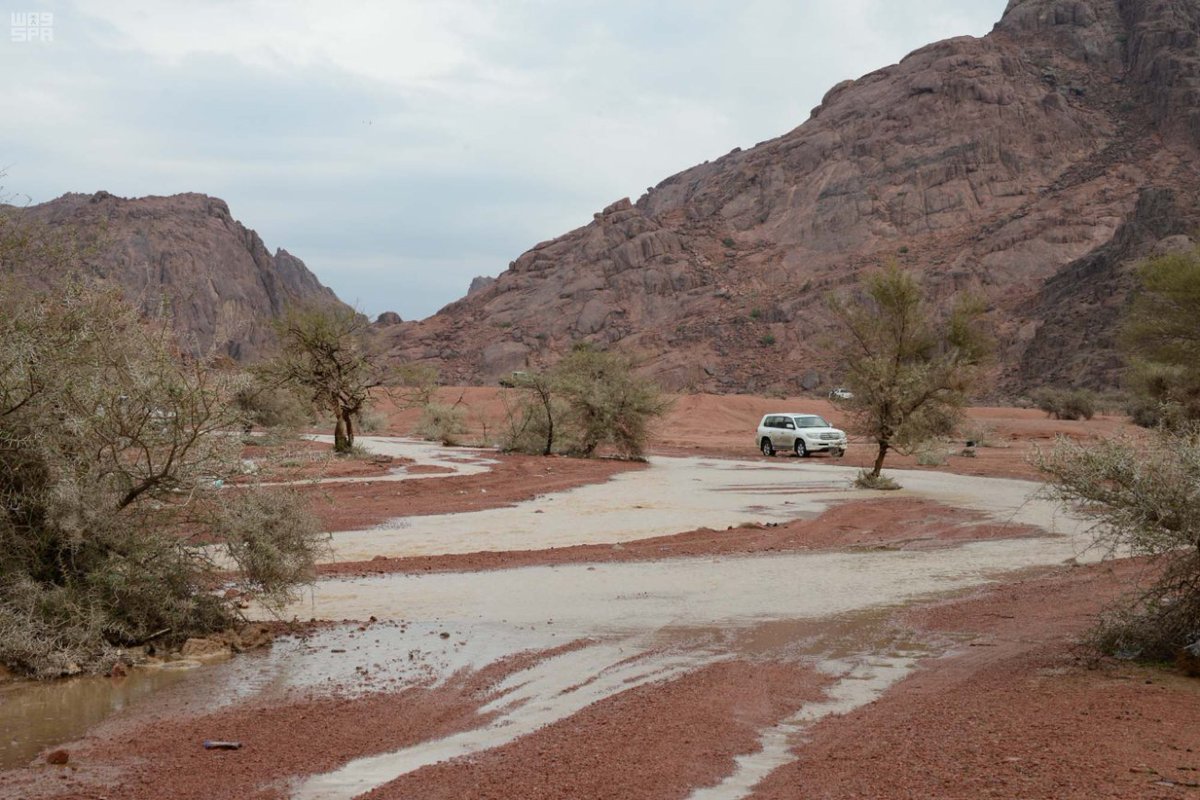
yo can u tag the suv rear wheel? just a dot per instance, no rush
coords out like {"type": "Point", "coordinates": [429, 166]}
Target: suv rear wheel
{"type": "Point", "coordinates": [767, 448]}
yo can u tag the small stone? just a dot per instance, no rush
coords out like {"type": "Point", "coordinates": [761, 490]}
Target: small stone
{"type": "Point", "coordinates": [58, 757]}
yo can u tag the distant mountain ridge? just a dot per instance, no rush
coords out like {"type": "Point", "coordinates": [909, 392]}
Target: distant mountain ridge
{"type": "Point", "coordinates": [1034, 165]}
{"type": "Point", "coordinates": [215, 275]}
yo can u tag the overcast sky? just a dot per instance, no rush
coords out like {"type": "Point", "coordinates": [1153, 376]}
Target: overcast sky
{"type": "Point", "coordinates": [400, 147]}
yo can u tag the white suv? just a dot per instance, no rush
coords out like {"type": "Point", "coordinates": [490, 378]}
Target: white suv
{"type": "Point", "coordinates": [800, 433]}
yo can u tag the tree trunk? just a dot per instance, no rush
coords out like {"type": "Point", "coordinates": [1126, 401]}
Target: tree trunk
{"type": "Point", "coordinates": [548, 406]}
{"type": "Point", "coordinates": [883, 448]}
{"type": "Point", "coordinates": [343, 435]}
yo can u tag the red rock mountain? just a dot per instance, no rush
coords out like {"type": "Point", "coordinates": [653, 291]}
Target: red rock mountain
{"type": "Point", "coordinates": [216, 276]}
{"type": "Point", "coordinates": [1036, 164]}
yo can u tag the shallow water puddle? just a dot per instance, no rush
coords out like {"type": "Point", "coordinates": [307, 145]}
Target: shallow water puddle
{"type": "Point", "coordinates": [676, 495]}
{"type": "Point", "coordinates": [34, 716]}
{"type": "Point", "coordinates": [584, 600]}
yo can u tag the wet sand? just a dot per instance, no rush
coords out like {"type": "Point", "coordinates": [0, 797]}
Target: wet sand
{"type": "Point", "coordinates": [831, 644]}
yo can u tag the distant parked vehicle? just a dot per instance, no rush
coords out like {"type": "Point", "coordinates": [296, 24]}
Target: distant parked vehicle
{"type": "Point", "coordinates": [800, 433]}
{"type": "Point", "coordinates": [517, 378]}
{"type": "Point", "coordinates": [841, 393]}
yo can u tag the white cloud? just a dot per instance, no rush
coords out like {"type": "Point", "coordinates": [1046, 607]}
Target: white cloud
{"type": "Point", "coordinates": [467, 130]}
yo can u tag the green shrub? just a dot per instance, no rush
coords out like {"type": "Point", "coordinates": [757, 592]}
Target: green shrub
{"type": "Point", "coordinates": [371, 421]}
{"type": "Point", "coordinates": [588, 401]}
{"type": "Point", "coordinates": [866, 479]}
{"type": "Point", "coordinates": [767, 340]}
{"type": "Point", "coordinates": [931, 453]}
{"type": "Point", "coordinates": [441, 422]}
{"type": "Point", "coordinates": [114, 459]}
{"type": "Point", "coordinates": [982, 434]}
{"type": "Point", "coordinates": [1069, 404]}
{"type": "Point", "coordinates": [1143, 499]}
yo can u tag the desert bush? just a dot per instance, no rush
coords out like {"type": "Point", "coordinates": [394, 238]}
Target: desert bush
{"type": "Point", "coordinates": [371, 421]}
{"type": "Point", "coordinates": [607, 402]}
{"type": "Point", "coordinates": [982, 434]}
{"type": "Point", "coordinates": [271, 408]}
{"type": "Point", "coordinates": [442, 422]}
{"type": "Point", "coordinates": [931, 453]}
{"type": "Point", "coordinates": [1069, 404]}
{"type": "Point", "coordinates": [867, 479]}
{"type": "Point", "coordinates": [114, 449]}
{"type": "Point", "coordinates": [590, 400]}
{"type": "Point", "coordinates": [1143, 500]}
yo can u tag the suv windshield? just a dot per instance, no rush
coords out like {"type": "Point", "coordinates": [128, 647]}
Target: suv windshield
{"type": "Point", "coordinates": [810, 422]}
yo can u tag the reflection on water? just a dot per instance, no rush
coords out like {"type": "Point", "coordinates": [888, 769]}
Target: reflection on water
{"type": "Point", "coordinates": [345, 660]}
{"type": "Point", "coordinates": [34, 716]}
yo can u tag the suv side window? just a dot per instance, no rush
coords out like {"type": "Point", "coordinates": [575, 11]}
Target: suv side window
{"type": "Point", "coordinates": [771, 422]}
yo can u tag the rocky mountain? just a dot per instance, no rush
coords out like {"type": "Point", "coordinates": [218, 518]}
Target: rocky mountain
{"type": "Point", "coordinates": [185, 252]}
{"type": "Point", "coordinates": [1035, 165]}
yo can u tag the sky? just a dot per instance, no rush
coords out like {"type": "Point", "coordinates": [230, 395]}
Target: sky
{"type": "Point", "coordinates": [402, 147]}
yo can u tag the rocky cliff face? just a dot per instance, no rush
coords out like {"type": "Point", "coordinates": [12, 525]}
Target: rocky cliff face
{"type": "Point", "coordinates": [998, 164]}
{"type": "Point", "coordinates": [217, 278]}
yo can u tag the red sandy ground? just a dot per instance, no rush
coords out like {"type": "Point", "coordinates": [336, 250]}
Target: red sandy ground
{"type": "Point", "coordinates": [301, 459]}
{"type": "Point", "coordinates": [354, 506]}
{"type": "Point", "coordinates": [724, 425]}
{"type": "Point", "coordinates": [1013, 711]}
{"type": "Point", "coordinates": [902, 523]}
{"type": "Point", "coordinates": [1016, 711]}
{"type": "Point", "coordinates": [1022, 714]}
{"type": "Point", "coordinates": [652, 742]}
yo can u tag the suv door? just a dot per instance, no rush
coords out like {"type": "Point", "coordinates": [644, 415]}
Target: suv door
{"type": "Point", "coordinates": [786, 438]}
{"type": "Point", "coordinates": [771, 430]}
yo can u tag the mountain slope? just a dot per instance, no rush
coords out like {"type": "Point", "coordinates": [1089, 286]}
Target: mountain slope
{"type": "Point", "coordinates": [990, 164]}
{"type": "Point", "coordinates": [216, 276]}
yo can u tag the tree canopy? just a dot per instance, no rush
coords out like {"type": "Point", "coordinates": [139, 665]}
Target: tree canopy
{"type": "Point", "coordinates": [1161, 338]}
{"type": "Point", "coordinates": [911, 368]}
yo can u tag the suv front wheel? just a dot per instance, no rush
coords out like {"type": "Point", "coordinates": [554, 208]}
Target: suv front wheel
{"type": "Point", "coordinates": [767, 448]}
{"type": "Point", "coordinates": [801, 450]}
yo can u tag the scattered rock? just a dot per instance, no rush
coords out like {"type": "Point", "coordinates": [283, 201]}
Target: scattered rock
{"type": "Point", "coordinates": [58, 757]}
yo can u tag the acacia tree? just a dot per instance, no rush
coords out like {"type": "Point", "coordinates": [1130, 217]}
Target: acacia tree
{"type": "Point", "coordinates": [1162, 340]}
{"type": "Point", "coordinates": [589, 399]}
{"type": "Point", "coordinates": [325, 353]}
{"type": "Point", "coordinates": [531, 424]}
{"type": "Point", "coordinates": [607, 402]}
{"type": "Point", "coordinates": [909, 367]}
{"type": "Point", "coordinates": [115, 526]}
